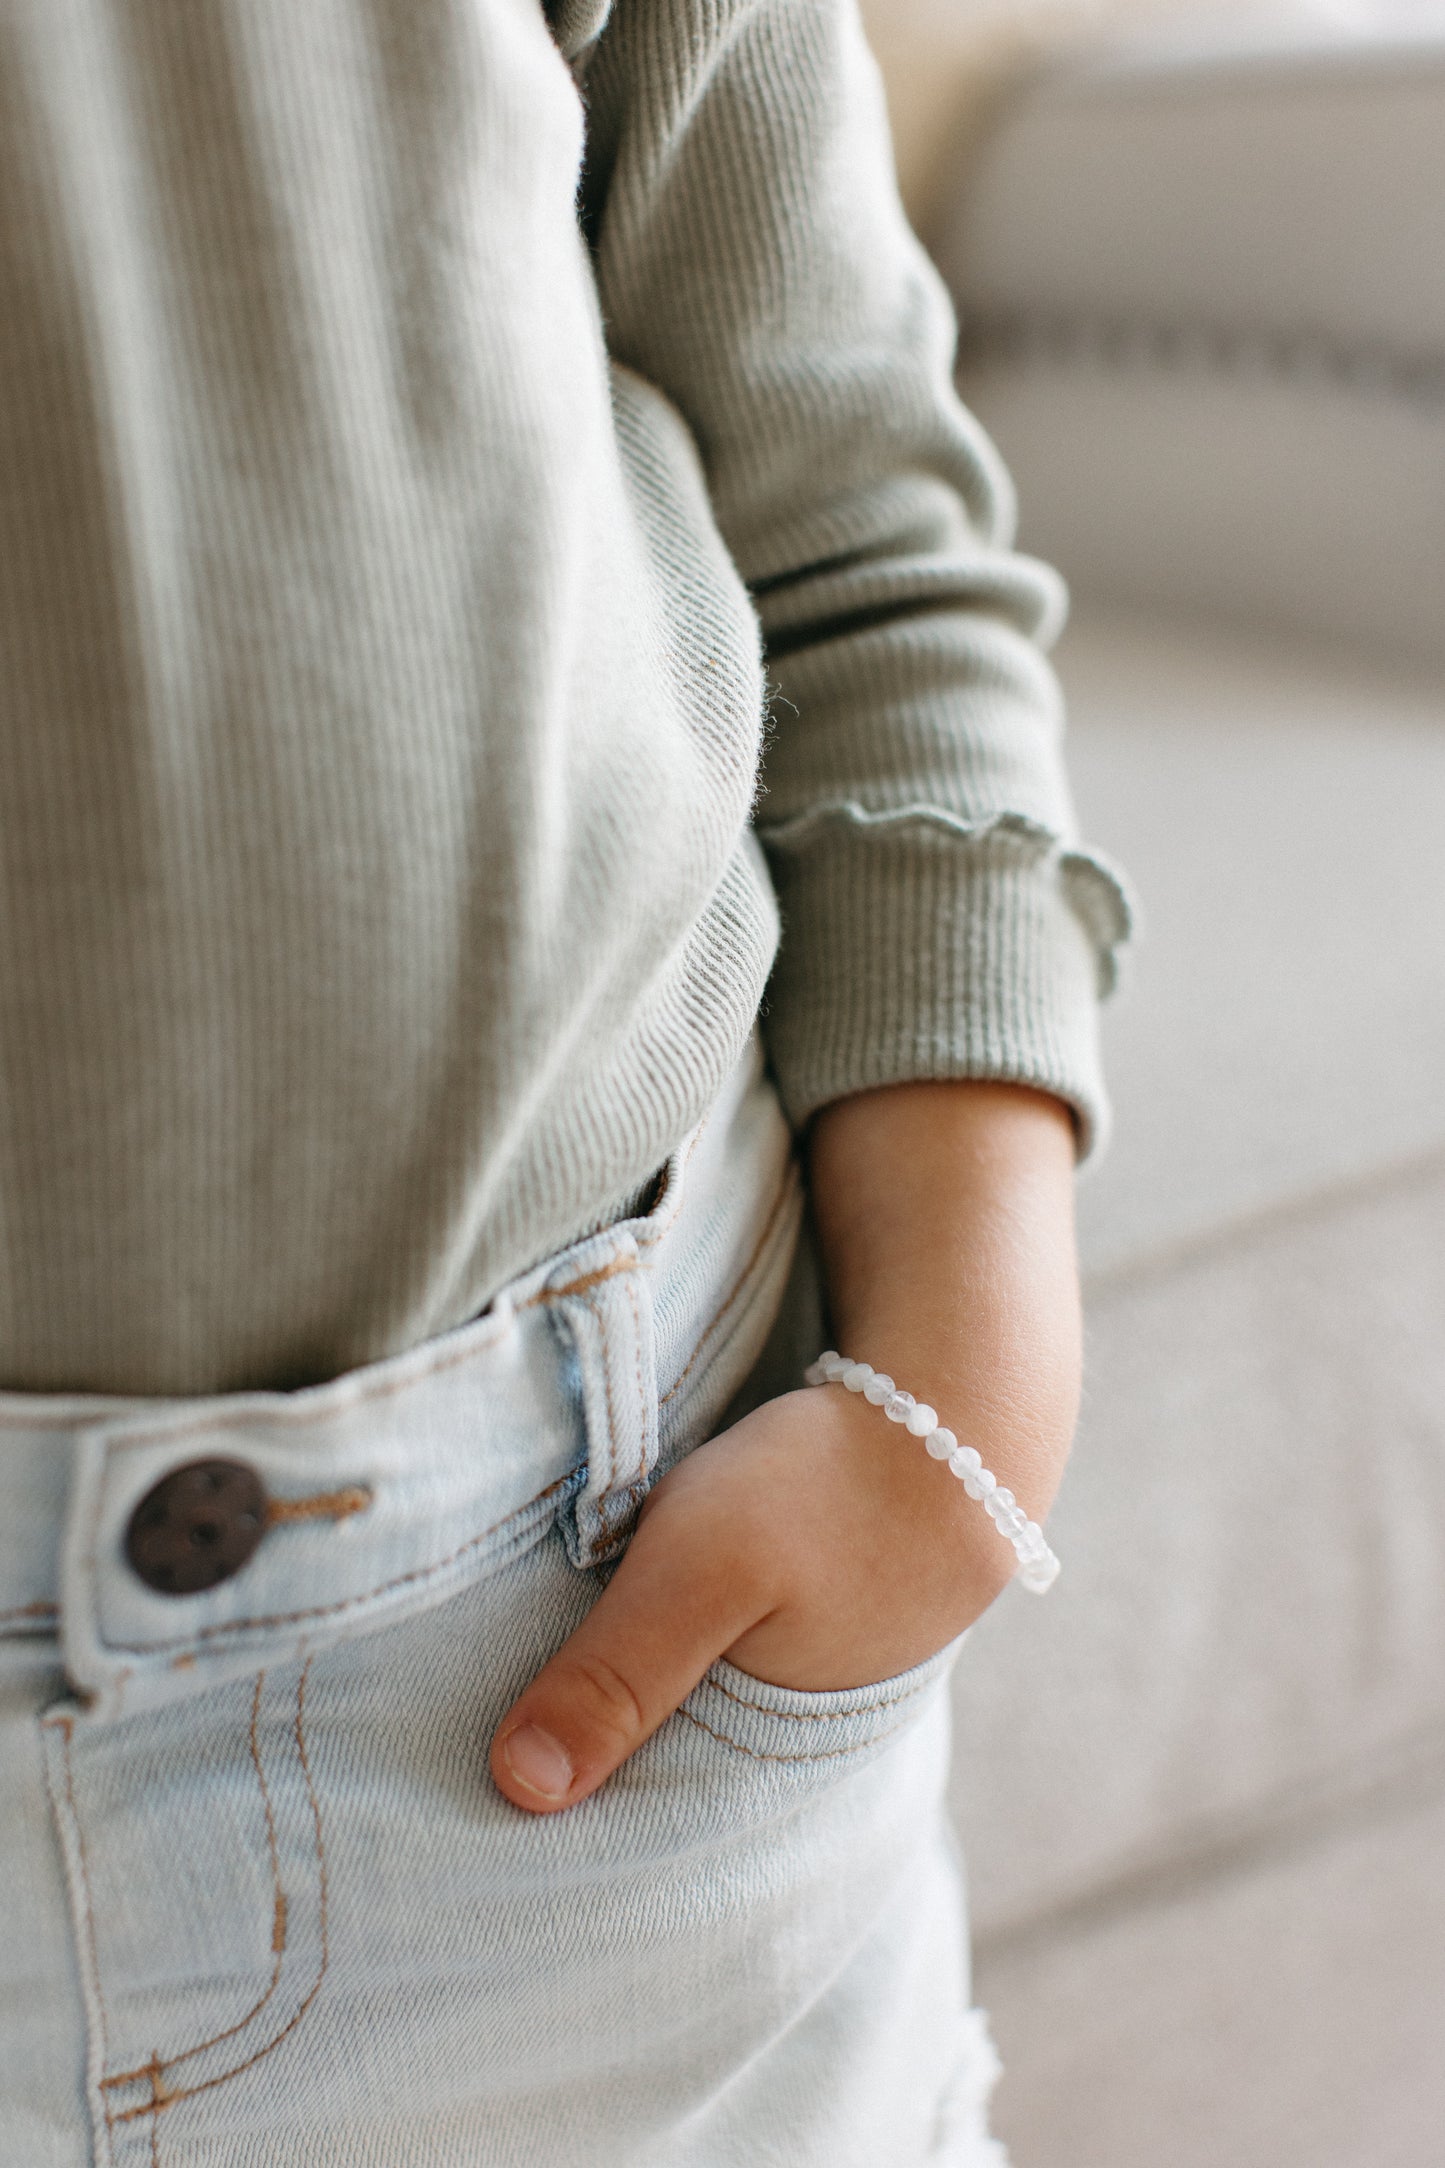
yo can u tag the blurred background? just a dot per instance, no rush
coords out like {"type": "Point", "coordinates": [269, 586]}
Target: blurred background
{"type": "Point", "coordinates": [1199, 263]}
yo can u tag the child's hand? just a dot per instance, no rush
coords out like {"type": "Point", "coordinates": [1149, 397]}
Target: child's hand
{"type": "Point", "coordinates": [816, 1544]}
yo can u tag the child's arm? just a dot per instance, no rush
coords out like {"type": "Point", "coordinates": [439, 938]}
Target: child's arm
{"type": "Point", "coordinates": [813, 1543]}
{"type": "Point", "coordinates": [939, 921]}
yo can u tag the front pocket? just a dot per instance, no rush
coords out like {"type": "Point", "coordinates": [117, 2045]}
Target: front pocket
{"type": "Point", "coordinates": [746, 1944]}
{"type": "Point", "coordinates": [195, 1847]}
{"type": "Point", "coordinates": [785, 1724]}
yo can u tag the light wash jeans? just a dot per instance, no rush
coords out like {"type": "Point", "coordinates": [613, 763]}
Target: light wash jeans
{"type": "Point", "coordinates": [263, 1907]}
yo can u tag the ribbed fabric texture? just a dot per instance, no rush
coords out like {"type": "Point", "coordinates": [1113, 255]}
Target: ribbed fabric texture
{"type": "Point", "coordinates": [395, 572]}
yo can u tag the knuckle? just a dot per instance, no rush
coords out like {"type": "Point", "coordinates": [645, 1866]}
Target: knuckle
{"type": "Point", "coordinates": [604, 1699]}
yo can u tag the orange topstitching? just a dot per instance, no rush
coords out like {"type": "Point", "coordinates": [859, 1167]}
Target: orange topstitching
{"type": "Point", "coordinates": [157, 2065]}
{"type": "Point", "coordinates": [206, 2085]}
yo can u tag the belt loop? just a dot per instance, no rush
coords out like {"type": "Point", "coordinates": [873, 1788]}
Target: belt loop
{"type": "Point", "coordinates": [608, 1318]}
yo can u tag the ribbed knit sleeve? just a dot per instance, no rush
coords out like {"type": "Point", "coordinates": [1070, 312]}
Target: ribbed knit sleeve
{"type": "Point", "coordinates": [940, 918]}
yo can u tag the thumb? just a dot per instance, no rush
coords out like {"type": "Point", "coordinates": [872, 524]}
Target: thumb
{"type": "Point", "coordinates": [674, 1604]}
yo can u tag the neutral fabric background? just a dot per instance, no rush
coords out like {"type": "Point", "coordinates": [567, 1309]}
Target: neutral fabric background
{"type": "Point", "coordinates": [1202, 290]}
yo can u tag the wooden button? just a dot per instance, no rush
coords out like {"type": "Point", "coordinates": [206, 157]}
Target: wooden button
{"type": "Point", "coordinates": [197, 1527]}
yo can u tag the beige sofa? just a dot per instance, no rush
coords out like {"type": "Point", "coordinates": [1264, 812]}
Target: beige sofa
{"type": "Point", "coordinates": [1202, 1787]}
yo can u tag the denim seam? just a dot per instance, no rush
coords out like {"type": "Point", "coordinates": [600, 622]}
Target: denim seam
{"type": "Point", "coordinates": [638, 1486]}
{"type": "Point", "coordinates": [602, 1542]}
{"type": "Point", "coordinates": [158, 2065]}
{"type": "Point", "coordinates": [639, 1481]}
{"type": "Point", "coordinates": [65, 1726]}
{"type": "Point", "coordinates": [224, 2077]}
{"type": "Point", "coordinates": [833, 1753]}
{"type": "Point", "coordinates": [635, 1304]}
{"type": "Point", "coordinates": [348, 1603]}
{"type": "Point", "coordinates": [818, 1716]}
{"type": "Point", "coordinates": [605, 1344]}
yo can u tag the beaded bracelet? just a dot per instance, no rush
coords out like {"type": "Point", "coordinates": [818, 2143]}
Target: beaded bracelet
{"type": "Point", "coordinates": [1038, 1567]}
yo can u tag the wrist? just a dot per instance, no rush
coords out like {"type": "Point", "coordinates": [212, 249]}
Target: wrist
{"type": "Point", "coordinates": [945, 1225]}
{"type": "Point", "coordinates": [919, 1421]}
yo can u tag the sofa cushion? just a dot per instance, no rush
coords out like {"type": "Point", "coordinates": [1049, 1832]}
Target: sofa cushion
{"type": "Point", "coordinates": [1294, 186]}
{"type": "Point", "coordinates": [1253, 1529]}
{"type": "Point", "coordinates": [1252, 1605]}
{"type": "Point", "coordinates": [1287, 2015]}
{"type": "Point", "coordinates": [1203, 317]}
{"type": "Point", "coordinates": [1282, 812]}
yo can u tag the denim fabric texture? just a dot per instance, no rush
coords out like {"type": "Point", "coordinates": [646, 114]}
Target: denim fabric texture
{"type": "Point", "coordinates": [264, 1908]}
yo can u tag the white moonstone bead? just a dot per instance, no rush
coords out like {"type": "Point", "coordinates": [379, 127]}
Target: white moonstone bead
{"type": "Point", "coordinates": [1038, 1568]}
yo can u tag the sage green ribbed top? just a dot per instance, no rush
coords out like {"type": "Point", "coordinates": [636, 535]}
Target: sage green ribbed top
{"type": "Point", "coordinates": [432, 440]}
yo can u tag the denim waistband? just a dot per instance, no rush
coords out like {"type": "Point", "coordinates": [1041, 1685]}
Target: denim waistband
{"type": "Point", "coordinates": [389, 1487]}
